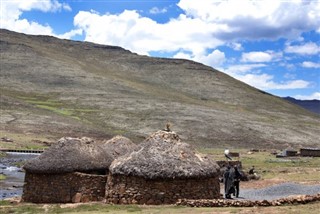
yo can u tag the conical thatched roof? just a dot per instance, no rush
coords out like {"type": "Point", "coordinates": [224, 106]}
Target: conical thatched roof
{"type": "Point", "coordinates": [119, 146]}
{"type": "Point", "coordinates": [70, 155]}
{"type": "Point", "coordinates": [164, 156]}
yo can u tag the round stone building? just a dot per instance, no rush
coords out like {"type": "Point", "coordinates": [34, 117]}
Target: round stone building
{"type": "Point", "coordinates": [160, 171]}
{"type": "Point", "coordinates": [71, 170]}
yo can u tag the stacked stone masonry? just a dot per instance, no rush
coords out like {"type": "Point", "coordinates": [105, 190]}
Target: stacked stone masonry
{"type": "Point", "coordinates": [299, 199]}
{"type": "Point", "coordinates": [136, 190]}
{"type": "Point", "coordinates": [63, 188]}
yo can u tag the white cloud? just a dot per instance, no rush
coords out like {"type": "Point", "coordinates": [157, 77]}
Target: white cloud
{"type": "Point", "coordinates": [308, 64]}
{"type": "Point", "coordinates": [266, 82]}
{"type": "Point", "coordinates": [213, 59]}
{"type": "Point", "coordinates": [256, 19]}
{"type": "Point", "coordinates": [204, 26]}
{"type": "Point", "coordinates": [156, 10]}
{"type": "Point", "coordinates": [250, 74]}
{"type": "Point", "coordinates": [314, 96]}
{"type": "Point", "coordinates": [289, 76]}
{"type": "Point", "coordinates": [305, 49]}
{"type": "Point", "coordinates": [141, 34]}
{"type": "Point", "coordinates": [235, 46]}
{"type": "Point", "coordinates": [11, 12]}
{"type": "Point", "coordinates": [236, 70]}
{"type": "Point", "coordinates": [70, 34]}
{"type": "Point", "coordinates": [256, 57]}
{"type": "Point", "coordinates": [259, 56]}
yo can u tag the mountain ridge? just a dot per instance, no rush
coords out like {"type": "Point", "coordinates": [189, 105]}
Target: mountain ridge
{"type": "Point", "coordinates": [63, 87]}
{"type": "Point", "coordinates": [311, 105]}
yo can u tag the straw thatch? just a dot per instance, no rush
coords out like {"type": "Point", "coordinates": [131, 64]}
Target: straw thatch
{"type": "Point", "coordinates": [70, 155]}
{"type": "Point", "coordinates": [164, 156]}
{"type": "Point", "coordinates": [119, 146]}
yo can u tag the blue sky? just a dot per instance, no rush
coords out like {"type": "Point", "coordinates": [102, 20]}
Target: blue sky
{"type": "Point", "coordinates": [273, 45]}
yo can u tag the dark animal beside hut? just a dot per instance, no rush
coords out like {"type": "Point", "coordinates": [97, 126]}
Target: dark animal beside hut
{"type": "Point", "coordinates": [119, 146]}
{"type": "Point", "coordinates": [160, 171]}
{"type": "Point", "coordinates": [71, 170]}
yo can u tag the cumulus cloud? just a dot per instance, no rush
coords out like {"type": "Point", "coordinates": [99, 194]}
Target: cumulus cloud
{"type": "Point", "coordinates": [142, 35]}
{"type": "Point", "coordinates": [203, 26]}
{"type": "Point", "coordinates": [314, 96]}
{"type": "Point", "coordinates": [308, 64]}
{"type": "Point", "coordinates": [250, 74]}
{"type": "Point", "coordinates": [213, 59]}
{"type": "Point", "coordinates": [156, 10]}
{"type": "Point", "coordinates": [260, 56]}
{"type": "Point", "coordinates": [256, 19]}
{"type": "Point", "coordinates": [266, 82]}
{"type": "Point", "coordinates": [235, 46]}
{"type": "Point", "coordinates": [236, 70]}
{"type": "Point", "coordinates": [11, 12]}
{"type": "Point", "coordinates": [309, 48]}
{"type": "Point", "coordinates": [256, 57]}
{"type": "Point", "coordinates": [70, 34]}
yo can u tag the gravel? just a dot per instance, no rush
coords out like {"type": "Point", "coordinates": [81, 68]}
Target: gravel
{"type": "Point", "coordinates": [279, 191]}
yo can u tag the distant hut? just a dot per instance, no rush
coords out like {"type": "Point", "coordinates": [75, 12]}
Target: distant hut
{"type": "Point", "coordinates": [71, 170]}
{"type": "Point", "coordinates": [160, 171]}
{"type": "Point", "coordinates": [119, 146]}
{"type": "Point", "coordinates": [311, 152]}
{"type": "Point", "coordinates": [290, 152]}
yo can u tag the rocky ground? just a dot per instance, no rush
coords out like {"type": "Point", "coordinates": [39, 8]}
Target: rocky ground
{"type": "Point", "coordinates": [10, 167]}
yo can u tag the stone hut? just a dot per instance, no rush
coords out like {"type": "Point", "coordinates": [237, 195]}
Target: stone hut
{"type": "Point", "coordinates": [311, 152]}
{"type": "Point", "coordinates": [160, 171]}
{"type": "Point", "coordinates": [71, 170]}
{"type": "Point", "coordinates": [119, 146]}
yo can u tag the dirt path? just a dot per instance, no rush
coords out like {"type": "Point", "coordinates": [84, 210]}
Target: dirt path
{"type": "Point", "coordinates": [278, 191]}
{"type": "Point", "coordinates": [272, 189]}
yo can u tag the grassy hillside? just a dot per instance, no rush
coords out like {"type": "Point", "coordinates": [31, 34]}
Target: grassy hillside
{"type": "Point", "coordinates": [52, 88]}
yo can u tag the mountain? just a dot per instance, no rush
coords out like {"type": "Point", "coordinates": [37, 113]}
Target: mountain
{"type": "Point", "coordinates": [53, 88]}
{"type": "Point", "coordinates": [311, 105]}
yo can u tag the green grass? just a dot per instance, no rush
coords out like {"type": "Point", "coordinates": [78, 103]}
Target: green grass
{"type": "Point", "coordinates": [98, 208]}
{"type": "Point", "coordinates": [2, 177]}
{"type": "Point", "coordinates": [298, 169]}
{"type": "Point", "coordinates": [2, 154]}
{"type": "Point", "coordinates": [58, 107]}
{"type": "Point", "coordinates": [22, 141]}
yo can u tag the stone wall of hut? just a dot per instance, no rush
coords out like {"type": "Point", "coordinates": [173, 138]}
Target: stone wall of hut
{"type": "Point", "coordinates": [63, 188]}
{"type": "Point", "coordinates": [312, 152]}
{"type": "Point", "coordinates": [136, 190]}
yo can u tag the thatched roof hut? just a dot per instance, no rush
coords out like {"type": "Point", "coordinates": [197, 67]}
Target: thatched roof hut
{"type": "Point", "coordinates": [119, 146]}
{"type": "Point", "coordinates": [71, 155]}
{"type": "Point", "coordinates": [160, 171]}
{"type": "Point", "coordinates": [163, 155]}
{"type": "Point", "coordinates": [71, 170]}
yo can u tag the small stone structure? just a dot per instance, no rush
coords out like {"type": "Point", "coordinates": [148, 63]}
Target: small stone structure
{"type": "Point", "coordinates": [287, 153]}
{"type": "Point", "coordinates": [291, 152]}
{"type": "Point", "coordinates": [299, 199]}
{"type": "Point", "coordinates": [312, 152]}
{"type": "Point", "coordinates": [162, 170]}
{"type": "Point", "coordinates": [71, 170]}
